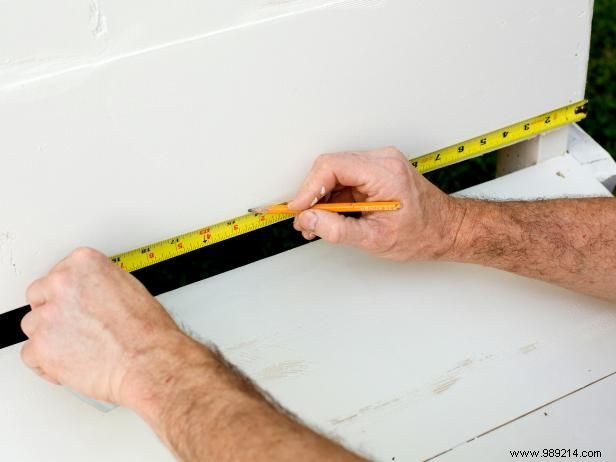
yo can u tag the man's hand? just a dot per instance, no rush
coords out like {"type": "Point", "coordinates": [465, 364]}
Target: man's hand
{"type": "Point", "coordinates": [569, 242]}
{"type": "Point", "coordinates": [96, 329]}
{"type": "Point", "coordinates": [423, 229]}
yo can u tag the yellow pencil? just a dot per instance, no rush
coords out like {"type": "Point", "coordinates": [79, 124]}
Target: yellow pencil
{"type": "Point", "coordinates": [338, 207]}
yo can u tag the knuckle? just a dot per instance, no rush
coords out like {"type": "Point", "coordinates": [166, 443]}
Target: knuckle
{"type": "Point", "coordinates": [382, 239]}
{"type": "Point", "coordinates": [396, 165]}
{"type": "Point", "coordinates": [31, 291]}
{"type": "Point", "coordinates": [57, 281]}
{"type": "Point", "coordinates": [30, 352]}
{"type": "Point", "coordinates": [336, 234]}
{"type": "Point", "coordinates": [322, 160]}
{"type": "Point", "coordinates": [389, 242]}
{"type": "Point", "coordinates": [25, 351]}
{"type": "Point", "coordinates": [393, 151]}
{"type": "Point", "coordinates": [358, 157]}
{"type": "Point", "coordinates": [49, 315]}
{"type": "Point", "coordinates": [85, 253]}
{"type": "Point", "coordinates": [26, 324]}
{"type": "Point", "coordinates": [368, 242]}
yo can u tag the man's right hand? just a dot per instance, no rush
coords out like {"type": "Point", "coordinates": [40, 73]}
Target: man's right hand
{"type": "Point", "coordinates": [424, 228]}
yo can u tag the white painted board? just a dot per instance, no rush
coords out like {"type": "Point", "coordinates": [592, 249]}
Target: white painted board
{"type": "Point", "coordinates": [96, 143]}
{"type": "Point", "coordinates": [405, 369]}
{"type": "Point", "coordinates": [593, 157]}
{"type": "Point", "coordinates": [39, 38]}
{"type": "Point", "coordinates": [583, 421]}
{"type": "Point", "coordinates": [124, 153]}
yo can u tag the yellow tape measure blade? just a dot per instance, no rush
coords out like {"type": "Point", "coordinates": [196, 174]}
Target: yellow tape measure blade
{"type": "Point", "coordinates": [501, 138]}
{"type": "Point", "coordinates": [173, 247]}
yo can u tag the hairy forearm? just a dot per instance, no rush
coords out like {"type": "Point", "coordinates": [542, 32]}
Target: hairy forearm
{"type": "Point", "coordinates": [209, 411]}
{"type": "Point", "coordinates": [568, 242]}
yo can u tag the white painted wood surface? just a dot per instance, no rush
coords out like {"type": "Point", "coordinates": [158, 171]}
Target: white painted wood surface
{"type": "Point", "coordinates": [123, 153]}
{"type": "Point", "coordinates": [582, 421]}
{"type": "Point", "coordinates": [193, 115]}
{"type": "Point", "coordinates": [39, 38]}
{"type": "Point", "coordinates": [592, 157]}
{"type": "Point", "coordinates": [539, 149]}
{"type": "Point", "coordinates": [574, 139]}
{"type": "Point", "coordinates": [384, 368]}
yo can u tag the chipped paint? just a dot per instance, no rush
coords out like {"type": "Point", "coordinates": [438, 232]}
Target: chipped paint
{"type": "Point", "coordinates": [468, 362]}
{"type": "Point", "coordinates": [7, 257]}
{"type": "Point", "coordinates": [445, 385]}
{"type": "Point", "coordinates": [364, 410]}
{"type": "Point", "coordinates": [283, 370]}
{"type": "Point", "coordinates": [98, 20]}
{"type": "Point", "coordinates": [73, 47]}
{"type": "Point", "coordinates": [542, 408]}
{"type": "Point", "coordinates": [242, 345]}
{"type": "Point", "coordinates": [452, 376]}
{"type": "Point", "coordinates": [528, 348]}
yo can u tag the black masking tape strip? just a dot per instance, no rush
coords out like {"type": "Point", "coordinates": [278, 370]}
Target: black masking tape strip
{"type": "Point", "coordinates": [10, 329]}
{"type": "Point", "coordinates": [190, 267]}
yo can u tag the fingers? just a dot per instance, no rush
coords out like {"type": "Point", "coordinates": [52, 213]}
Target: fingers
{"type": "Point", "coordinates": [38, 292]}
{"type": "Point", "coordinates": [47, 377]}
{"type": "Point", "coordinates": [332, 227]}
{"type": "Point", "coordinates": [344, 195]}
{"type": "Point", "coordinates": [330, 170]}
{"type": "Point", "coordinates": [28, 356]}
{"type": "Point", "coordinates": [35, 294]}
{"type": "Point", "coordinates": [30, 323]}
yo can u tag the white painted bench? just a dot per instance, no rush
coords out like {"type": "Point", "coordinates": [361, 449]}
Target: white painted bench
{"type": "Point", "coordinates": [123, 112]}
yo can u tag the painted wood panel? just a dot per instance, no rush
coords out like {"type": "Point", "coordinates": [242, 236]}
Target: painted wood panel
{"type": "Point", "coordinates": [583, 421]}
{"type": "Point", "coordinates": [135, 145]}
{"type": "Point", "coordinates": [395, 360]}
{"type": "Point", "coordinates": [121, 154]}
{"type": "Point", "coordinates": [39, 38]}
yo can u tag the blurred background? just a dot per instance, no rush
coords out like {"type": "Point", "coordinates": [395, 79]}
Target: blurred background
{"type": "Point", "coordinates": [601, 92]}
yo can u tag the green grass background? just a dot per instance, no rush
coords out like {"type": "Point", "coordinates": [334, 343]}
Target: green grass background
{"type": "Point", "coordinates": [601, 92]}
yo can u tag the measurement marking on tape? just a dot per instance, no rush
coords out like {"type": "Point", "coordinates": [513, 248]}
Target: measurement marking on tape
{"type": "Point", "coordinates": [501, 138]}
{"type": "Point", "coordinates": [151, 254]}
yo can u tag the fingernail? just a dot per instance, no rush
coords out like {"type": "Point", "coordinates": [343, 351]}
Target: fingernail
{"type": "Point", "coordinates": [308, 221]}
{"type": "Point", "coordinates": [314, 202]}
{"type": "Point", "coordinates": [322, 191]}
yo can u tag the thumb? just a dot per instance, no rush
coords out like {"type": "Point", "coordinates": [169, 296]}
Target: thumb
{"type": "Point", "coordinates": [333, 227]}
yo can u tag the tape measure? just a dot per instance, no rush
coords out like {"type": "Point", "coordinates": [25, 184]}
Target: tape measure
{"type": "Point", "coordinates": [501, 138]}
{"type": "Point", "coordinates": [250, 229]}
{"type": "Point", "coordinates": [169, 248]}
